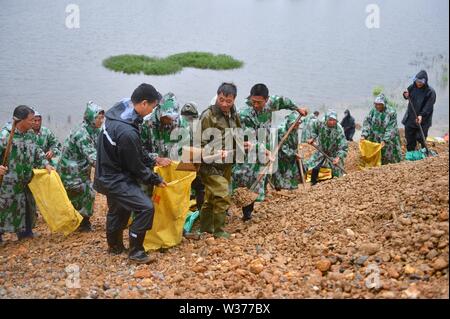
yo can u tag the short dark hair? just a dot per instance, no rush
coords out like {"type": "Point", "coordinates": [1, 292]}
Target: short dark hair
{"type": "Point", "coordinates": [21, 112]}
{"type": "Point", "coordinates": [145, 92]}
{"type": "Point", "coordinates": [259, 89]}
{"type": "Point", "coordinates": [227, 89]}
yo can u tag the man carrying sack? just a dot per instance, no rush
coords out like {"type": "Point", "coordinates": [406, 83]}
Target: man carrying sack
{"type": "Point", "coordinates": [121, 169]}
{"type": "Point", "coordinates": [20, 154]}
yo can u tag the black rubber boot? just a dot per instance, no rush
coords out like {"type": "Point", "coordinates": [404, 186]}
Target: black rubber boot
{"type": "Point", "coordinates": [24, 234]}
{"type": "Point", "coordinates": [247, 212]}
{"type": "Point", "coordinates": [315, 175]}
{"type": "Point", "coordinates": [115, 242]}
{"type": "Point", "coordinates": [85, 225]}
{"type": "Point", "coordinates": [137, 253]}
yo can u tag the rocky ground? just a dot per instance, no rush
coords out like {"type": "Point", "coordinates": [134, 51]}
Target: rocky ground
{"type": "Point", "coordinates": [379, 233]}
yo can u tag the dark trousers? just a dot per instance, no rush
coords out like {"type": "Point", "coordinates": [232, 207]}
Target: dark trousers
{"type": "Point", "coordinates": [413, 135]}
{"type": "Point", "coordinates": [349, 134]}
{"type": "Point", "coordinates": [199, 189]}
{"type": "Point", "coordinates": [315, 172]}
{"type": "Point", "coordinates": [122, 205]}
{"type": "Point", "coordinates": [30, 215]}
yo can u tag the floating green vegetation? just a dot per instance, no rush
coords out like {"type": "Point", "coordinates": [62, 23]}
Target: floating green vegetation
{"type": "Point", "coordinates": [132, 64]}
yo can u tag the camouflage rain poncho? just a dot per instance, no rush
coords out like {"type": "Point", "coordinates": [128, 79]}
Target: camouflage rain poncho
{"type": "Point", "coordinates": [78, 157]}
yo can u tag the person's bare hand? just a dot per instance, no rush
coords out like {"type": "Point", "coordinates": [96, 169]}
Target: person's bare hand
{"type": "Point", "coordinates": [3, 170]}
{"type": "Point", "coordinates": [419, 119]}
{"type": "Point", "coordinates": [269, 156]}
{"type": "Point", "coordinates": [163, 184]}
{"type": "Point", "coordinates": [163, 161]}
{"type": "Point", "coordinates": [336, 161]}
{"type": "Point", "coordinates": [49, 168]}
{"type": "Point", "coordinates": [406, 95]}
{"type": "Point", "coordinates": [303, 111]}
{"type": "Point", "coordinates": [49, 155]}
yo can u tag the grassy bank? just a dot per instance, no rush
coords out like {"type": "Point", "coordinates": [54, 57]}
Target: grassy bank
{"type": "Point", "coordinates": [133, 64]}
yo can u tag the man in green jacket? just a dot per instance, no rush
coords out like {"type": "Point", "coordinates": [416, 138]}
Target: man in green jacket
{"type": "Point", "coordinates": [217, 124]}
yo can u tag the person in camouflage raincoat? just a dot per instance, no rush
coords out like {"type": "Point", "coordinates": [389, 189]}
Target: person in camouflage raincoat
{"type": "Point", "coordinates": [380, 126]}
{"type": "Point", "coordinates": [17, 210]}
{"type": "Point", "coordinates": [78, 157]}
{"type": "Point", "coordinates": [156, 131]}
{"type": "Point", "coordinates": [287, 175]}
{"type": "Point", "coordinates": [330, 137]}
{"type": "Point", "coordinates": [306, 126]}
{"type": "Point", "coordinates": [190, 114]}
{"type": "Point", "coordinates": [46, 140]}
{"type": "Point", "coordinates": [255, 115]}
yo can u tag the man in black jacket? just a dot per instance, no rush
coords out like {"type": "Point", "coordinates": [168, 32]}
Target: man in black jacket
{"type": "Point", "coordinates": [121, 167]}
{"type": "Point", "coordinates": [420, 110]}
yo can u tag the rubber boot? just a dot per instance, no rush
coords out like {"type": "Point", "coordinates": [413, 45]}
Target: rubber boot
{"type": "Point", "coordinates": [28, 232]}
{"type": "Point", "coordinates": [24, 234]}
{"type": "Point", "coordinates": [137, 253]}
{"type": "Point", "coordinates": [206, 222]}
{"type": "Point", "coordinates": [219, 224]}
{"type": "Point", "coordinates": [115, 242]}
{"type": "Point", "coordinates": [247, 212]}
{"type": "Point", "coordinates": [85, 225]}
{"type": "Point", "coordinates": [315, 175]}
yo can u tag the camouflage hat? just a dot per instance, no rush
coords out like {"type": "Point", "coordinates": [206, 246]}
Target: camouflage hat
{"type": "Point", "coordinates": [168, 106]}
{"type": "Point", "coordinates": [91, 112]}
{"type": "Point", "coordinates": [36, 113]}
{"type": "Point", "coordinates": [189, 109]}
{"type": "Point", "coordinates": [380, 99]}
{"type": "Point", "coordinates": [331, 115]}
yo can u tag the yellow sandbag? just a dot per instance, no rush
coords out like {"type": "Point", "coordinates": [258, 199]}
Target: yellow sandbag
{"type": "Point", "coordinates": [370, 154]}
{"type": "Point", "coordinates": [324, 174]}
{"type": "Point", "coordinates": [171, 207]}
{"type": "Point", "coordinates": [432, 139]}
{"type": "Point", "coordinates": [53, 203]}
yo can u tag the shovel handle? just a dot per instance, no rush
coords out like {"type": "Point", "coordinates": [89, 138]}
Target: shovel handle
{"type": "Point", "coordinates": [275, 153]}
{"type": "Point", "coordinates": [420, 127]}
{"type": "Point", "coordinates": [328, 158]}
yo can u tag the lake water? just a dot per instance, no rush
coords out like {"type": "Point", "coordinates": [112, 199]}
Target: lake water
{"type": "Point", "coordinates": [317, 52]}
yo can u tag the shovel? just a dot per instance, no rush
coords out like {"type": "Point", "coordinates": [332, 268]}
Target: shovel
{"type": "Point", "coordinates": [421, 130]}
{"type": "Point", "coordinates": [328, 157]}
{"type": "Point", "coordinates": [242, 196]}
{"type": "Point", "coordinates": [300, 161]}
